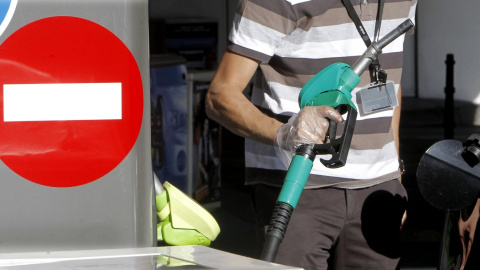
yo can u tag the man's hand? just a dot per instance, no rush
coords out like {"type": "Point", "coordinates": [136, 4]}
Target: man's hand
{"type": "Point", "coordinates": [309, 126]}
{"type": "Point", "coordinates": [404, 218]}
{"type": "Point", "coordinates": [466, 230]}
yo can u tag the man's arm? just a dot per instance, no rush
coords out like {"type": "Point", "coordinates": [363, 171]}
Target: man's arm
{"type": "Point", "coordinates": [396, 127]}
{"type": "Point", "coordinates": [396, 122]}
{"type": "Point", "coordinates": [226, 103]}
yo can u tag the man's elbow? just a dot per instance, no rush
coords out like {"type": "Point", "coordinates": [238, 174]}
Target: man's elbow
{"type": "Point", "coordinates": [209, 106]}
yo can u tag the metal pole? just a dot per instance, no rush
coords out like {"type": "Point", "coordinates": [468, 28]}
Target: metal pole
{"type": "Point", "coordinates": [449, 119]}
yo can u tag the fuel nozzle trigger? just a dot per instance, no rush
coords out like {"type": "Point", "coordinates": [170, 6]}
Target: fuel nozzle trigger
{"type": "Point", "coordinates": [338, 147]}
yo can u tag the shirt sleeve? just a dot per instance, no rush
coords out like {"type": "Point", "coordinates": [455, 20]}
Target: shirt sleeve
{"type": "Point", "coordinates": [260, 26]}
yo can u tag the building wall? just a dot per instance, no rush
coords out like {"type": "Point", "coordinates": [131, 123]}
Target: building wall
{"type": "Point", "coordinates": [448, 27]}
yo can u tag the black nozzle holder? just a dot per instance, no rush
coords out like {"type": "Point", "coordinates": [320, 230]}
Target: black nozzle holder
{"type": "Point", "coordinates": [471, 153]}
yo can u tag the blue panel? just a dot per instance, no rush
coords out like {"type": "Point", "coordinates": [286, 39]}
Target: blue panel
{"type": "Point", "coordinates": [4, 5]}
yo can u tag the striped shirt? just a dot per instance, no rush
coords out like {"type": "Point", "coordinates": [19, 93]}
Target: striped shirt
{"type": "Point", "coordinates": [294, 40]}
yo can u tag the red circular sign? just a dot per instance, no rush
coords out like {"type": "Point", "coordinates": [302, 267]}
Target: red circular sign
{"type": "Point", "coordinates": [68, 50]}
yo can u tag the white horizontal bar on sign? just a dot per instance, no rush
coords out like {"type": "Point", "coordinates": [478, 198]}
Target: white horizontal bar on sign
{"type": "Point", "coordinates": [62, 101]}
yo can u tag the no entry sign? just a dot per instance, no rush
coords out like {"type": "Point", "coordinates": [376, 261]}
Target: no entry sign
{"type": "Point", "coordinates": [71, 101]}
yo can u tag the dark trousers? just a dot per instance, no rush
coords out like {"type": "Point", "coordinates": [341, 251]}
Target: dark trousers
{"type": "Point", "coordinates": [338, 228]}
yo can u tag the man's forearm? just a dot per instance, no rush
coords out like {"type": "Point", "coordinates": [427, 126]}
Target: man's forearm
{"type": "Point", "coordinates": [226, 103]}
{"type": "Point", "coordinates": [396, 122]}
{"type": "Point", "coordinates": [230, 108]}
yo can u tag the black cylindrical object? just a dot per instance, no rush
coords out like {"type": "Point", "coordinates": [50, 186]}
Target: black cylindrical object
{"type": "Point", "coordinates": [276, 230]}
{"type": "Point", "coordinates": [449, 119]}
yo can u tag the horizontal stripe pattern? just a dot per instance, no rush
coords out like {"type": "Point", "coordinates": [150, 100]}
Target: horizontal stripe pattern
{"type": "Point", "coordinates": [259, 155]}
{"type": "Point", "coordinates": [270, 177]}
{"type": "Point", "coordinates": [333, 41]}
{"type": "Point", "coordinates": [282, 71]}
{"type": "Point", "coordinates": [296, 39]}
{"type": "Point", "coordinates": [247, 37]}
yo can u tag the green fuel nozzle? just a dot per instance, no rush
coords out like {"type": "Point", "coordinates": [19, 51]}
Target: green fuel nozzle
{"type": "Point", "coordinates": [332, 86]}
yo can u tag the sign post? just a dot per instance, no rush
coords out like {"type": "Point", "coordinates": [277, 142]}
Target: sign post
{"type": "Point", "coordinates": [74, 154]}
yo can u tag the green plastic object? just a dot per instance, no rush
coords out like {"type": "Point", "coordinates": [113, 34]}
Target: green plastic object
{"type": "Point", "coordinates": [331, 86]}
{"type": "Point", "coordinates": [182, 221]}
{"type": "Point", "coordinates": [295, 180]}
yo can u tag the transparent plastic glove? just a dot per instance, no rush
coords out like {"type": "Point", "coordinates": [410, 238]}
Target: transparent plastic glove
{"type": "Point", "coordinates": [309, 126]}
